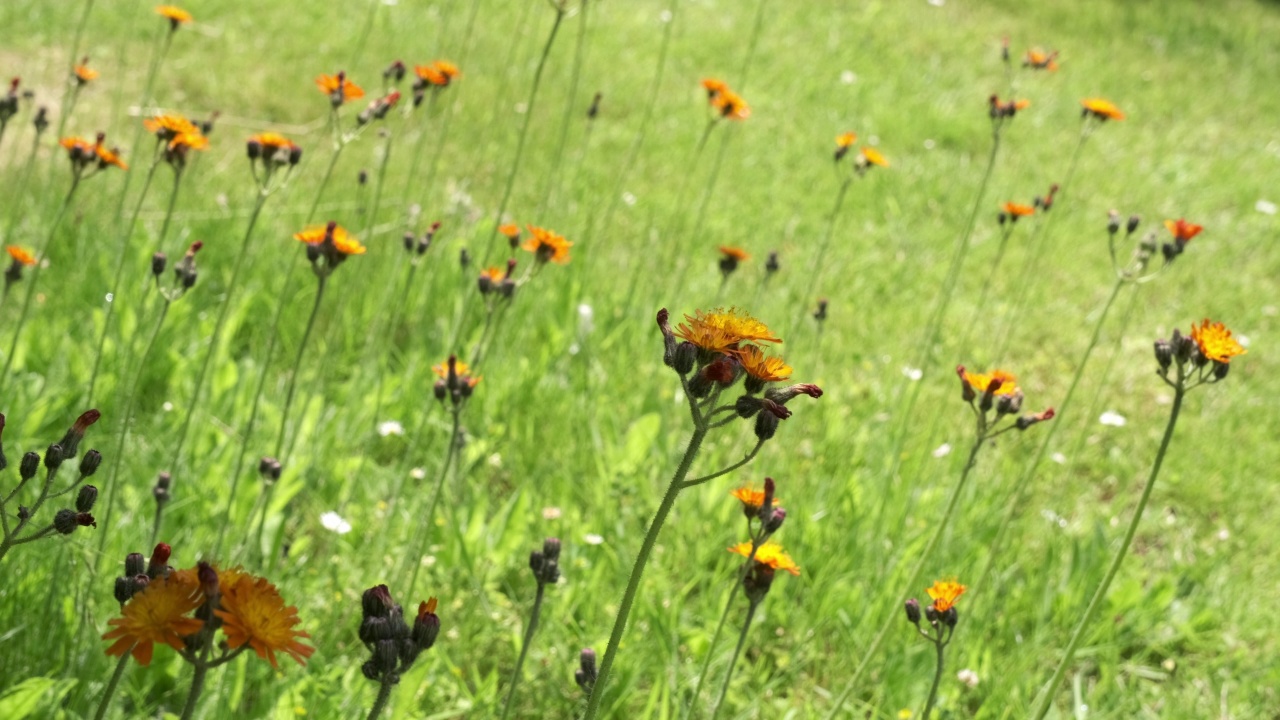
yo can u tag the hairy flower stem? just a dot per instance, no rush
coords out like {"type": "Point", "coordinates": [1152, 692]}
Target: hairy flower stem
{"type": "Point", "coordinates": [1024, 480]}
{"type": "Point", "coordinates": [524, 134]}
{"type": "Point", "coordinates": [117, 457]}
{"type": "Point", "coordinates": [524, 649]}
{"type": "Point", "coordinates": [1045, 698]}
{"type": "Point", "coordinates": [742, 639]}
{"type": "Point", "coordinates": [35, 275]}
{"type": "Point", "coordinates": [637, 570]}
{"type": "Point", "coordinates": [384, 696]}
{"type": "Point", "coordinates": [925, 554]}
{"type": "Point", "coordinates": [426, 522]}
{"type": "Point", "coordinates": [715, 640]}
{"type": "Point", "coordinates": [937, 680]}
{"type": "Point", "coordinates": [109, 693]}
{"type": "Point", "coordinates": [197, 687]}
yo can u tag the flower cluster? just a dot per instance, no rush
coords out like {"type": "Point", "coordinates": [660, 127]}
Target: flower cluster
{"type": "Point", "coordinates": [1204, 356]}
{"type": "Point", "coordinates": [415, 245]}
{"type": "Point", "coordinates": [999, 109]}
{"type": "Point", "coordinates": [942, 611]}
{"type": "Point", "coordinates": [434, 76]}
{"type": "Point", "coordinates": [91, 156]}
{"type": "Point", "coordinates": [724, 102]}
{"type": "Point", "coordinates": [1182, 232]}
{"type": "Point", "coordinates": [764, 557]}
{"type": "Point", "coordinates": [996, 391]}
{"type": "Point", "coordinates": [1038, 59]}
{"type": "Point", "coordinates": [9, 102]}
{"type": "Point", "coordinates": [328, 247]}
{"type": "Point", "coordinates": [545, 563]}
{"type": "Point", "coordinates": [867, 156]}
{"type": "Point", "coordinates": [179, 135]}
{"type": "Point", "coordinates": [21, 258]}
{"type": "Point", "coordinates": [339, 88]}
{"type": "Point", "coordinates": [379, 108]}
{"type": "Point", "coordinates": [498, 280]}
{"type": "Point", "coordinates": [185, 272]}
{"type": "Point", "coordinates": [140, 572]}
{"type": "Point", "coordinates": [454, 382]}
{"type": "Point", "coordinates": [393, 645]}
{"type": "Point", "coordinates": [273, 151]}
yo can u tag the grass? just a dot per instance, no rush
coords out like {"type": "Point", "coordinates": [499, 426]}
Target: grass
{"type": "Point", "coordinates": [577, 425]}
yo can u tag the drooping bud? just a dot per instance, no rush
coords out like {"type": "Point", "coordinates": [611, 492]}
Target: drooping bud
{"type": "Point", "coordinates": [71, 441]}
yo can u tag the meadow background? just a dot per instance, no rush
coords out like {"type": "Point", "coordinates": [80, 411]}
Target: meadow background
{"type": "Point", "coordinates": [577, 424]}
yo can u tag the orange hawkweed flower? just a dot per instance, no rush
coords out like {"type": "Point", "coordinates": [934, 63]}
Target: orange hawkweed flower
{"type": "Point", "coordinates": [439, 73]}
{"type": "Point", "coordinates": [339, 88]}
{"type": "Point", "coordinates": [109, 157]}
{"type": "Point", "coordinates": [161, 613]}
{"type": "Point", "coordinates": [83, 74]}
{"type": "Point", "coordinates": [1016, 210]}
{"type": "Point", "coordinates": [547, 245]}
{"type": "Point", "coordinates": [176, 15]}
{"type": "Point", "coordinates": [844, 141]}
{"type": "Point", "coordinates": [765, 368]}
{"type": "Point", "coordinates": [871, 156]}
{"type": "Point", "coordinates": [730, 105]}
{"type": "Point", "coordinates": [188, 141]}
{"type": "Point", "coordinates": [945, 593]}
{"type": "Point", "coordinates": [1008, 384]}
{"type": "Point", "coordinates": [770, 555]}
{"type": "Point", "coordinates": [1101, 109]}
{"type": "Point", "coordinates": [343, 242]}
{"type": "Point", "coordinates": [751, 500]}
{"type": "Point", "coordinates": [253, 613]}
{"type": "Point", "coordinates": [167, 127]}
{"type": "Point", "coordinates": [721, 330]}
{"type": "Point", "coordinates": [20, 256]}
{"type": "Point", "coordinates": [1182, 230]}
{"type": "Point", "coordinates": [448, 70]}
{"type": "Point", "coordinates": [1037, 59]}
{"type": "Point", "coordinates": [1215, 341]}
{"type": "Point", "coordinates": [442, 369]}
{"type": "Point", "coordinates": [714, 87]}
{"type": "Point", "coordinates": [736, 253]}
{"type": "Point", "coordinates": [272, 142]}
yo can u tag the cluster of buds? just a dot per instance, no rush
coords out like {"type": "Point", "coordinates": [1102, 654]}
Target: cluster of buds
{"type": "Point", "coordinates": [163, 489]}
{"type": "Point", "coordinates": [1202, 357]}
{"type": "Point", "coordinates": [139, 572]}
{"type": "Point", "coordinates": [184, 271]}
{"type": "Point", "coordinates": [771, 265]}
{"type": "Point", "coordinates": [1000, 393]}
{"type": "Point", "coordinates": [820, 314]}
{"type": "Point", "coordinates": [271, 152]}
{"type": "Point", "coordinates": [713, 353]}
{"type": "Point", "coordinates": [454, 382]}
{"type": "Point", "coordinates": [499, 281]}
{"type": "Point", "coordinates": [378, 109]}
{"type": "Point", "coordinates": [88, 157]}
{"type": "Point", "coordinates": [394, 73]}
{"type": "Point", "coordinates": [435, 76]}
{"type": "Point", "coordinates": [66, 520]}
{"type": "Point", "coordinates": [269, 469]}
{"type": "Point", "coordinates": [1000, 110]}
{"type": "Point", "coordinates": [393, 645]}
{"type": "Point", "coordinates": [1045, 203]}
{"type": "Point", "coordinates": [545, 563]}
{"type": "Point", "coordinates": [941, 615]}
{"type": "Point", "coordinates": [419, 246]}
{"type": "Point", "coordinates": [41, 120]}
{"type": "Point", "coordinates": [9, 103]}
{"type": "Point", "coordinates": [587, 672]}
{"type": "Point", "coordinates": [1143, 252]}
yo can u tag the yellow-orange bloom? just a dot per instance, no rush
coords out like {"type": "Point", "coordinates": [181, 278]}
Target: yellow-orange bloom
{"type": "Point", "coordinates": [176, 15]}
{"type": "Point", "coordinates": [189, 141]}
{"type": "Point", "coordinates": [253, 613]}
{"type": "Point", "coordinates": [84, 74]}
{"type": "Point", "coordinates": [721, 330]}
{"type": "Point", "coordinates": [846, 140]}
{"type": "Point", "coordinates": [871, 156]}
{"type": "Point", "coordinates": [713, 86]}
{"type": "Point", "coordinates": [1182, 230]}
{"type": "Point", "coordinates": [944, 594]}
{"type": "Point", "coordinates": [338, 86]}
{"type": "Point", "coordinates": [980, 382]}
{"type": "Point", "coordinates": [511, 230]}
{"type": "Point", "coordinates": [439, 73]}
{"type": "Point", "coordinates": [736, 253]}
{"type": "Point", "coordinates": [751, 500]}
{"type": "Point", "coordinates": [169, 126]}
{"type": "Point", "coordinates": [109, 157]}
{"type": "Point", "coordinates": [769, 554]}
{"type": "Point", "coordinates": [1017, 210]}
{"type": "Point", "coordinates": [547, 245]}
{"type": "Point", "coordinates": [21, 256]}
{"type": "Point", "coordinates": [1038, 59]}
{"type": "Point", "coordinates": [271, 142]}
{"type": "Point", "coordinates": [730, 105]}
{"type": "Point", "coordinates": [1101, 109]}
{"type": "Point", "coordinates": [343, 242]}
{"type": "Point", "coordinates": [765, 368]}
{"type": "Point", "coordinates": [161, 613]}
{"type": "Point", "coordinates": [1215, 341]}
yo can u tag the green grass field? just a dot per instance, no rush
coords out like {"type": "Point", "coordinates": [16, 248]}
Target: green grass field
{"type": "Point", "coordinates": [577, 425]}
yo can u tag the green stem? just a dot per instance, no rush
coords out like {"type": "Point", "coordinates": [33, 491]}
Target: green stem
{"type": "Point", "coordinates": [109, 693]}
{"type": "Point", "coordinates": [815, 270]}
{"type": "Point", "coordinates": [384, 696]}
{"type": "Point", "coordinates": [637, 570]}
{"type": "Point", "coordinates": [68, 95]}
{"type": "Point", "coordinates": [1045, 700]}
{"type": "Point", "coordinates": [421, 142]}
{"type": "Point", "coordinates": [925, 555]}
{"type": "Point", "coordinates": [197, 686]}
{"type": "Point", "coordinates": [524, 134]}
{"type": "Point", "coordinates": [715, 640]}
{"type": "Point", "coordinates": [728, 676]}
{"type": "Point", "coordinates": [117, 457]}
{"type": "Point", "coordinates": [937, 679]}
{"type": "Point", "coordinates": [524, 650]}
{"type": "Point", "coordinates": [570, 105]}
{"type": "Point", "coordinates": [426, 524]}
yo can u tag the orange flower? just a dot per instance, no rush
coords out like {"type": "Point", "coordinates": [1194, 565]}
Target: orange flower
{"type": "Point", "coordinates": [176, 15]}
{"type": "Point", "coordinates": [189, 141]}
{"type": "Point", "coordinates": [871, 156]}
{"type": "Point", "coordinates": [109, 157]}
{"type": "Point", "coordinates": [161, 613]}
{"type": "Point", "coordinates": [713, 86]}
{"type": "Point", "coordinates": [20, 256]}
{"type": "Point", "coordinates": [1016, 210]}
{"type": "Point", "coordinates": [736, 253]}
{"type": "Point", "coordinates": [945, 593]}
{"type": "Point", "coordinates": [721, 330]}
{"type": "Point", "coordinates": [167, 127]}
{"type": "Point", "coordinates": [448, 70]}
{"type": "Point", "coordinates": [271, 142]}
{"type": "Point", "coordinates": [511, 230]}
{"type": "Point", "coordinates": [547, 245]}
{"type": "Point", "coordinates": [730, 105]}
{"type": "Point", "coordinates": [1101, 109]}
{"type": "Point", "coordinates": [343, 242]}
{"type": "Point", "coordinates": [846, 140]}
{"type": "Point", "coordinates": [442, 370]}
{"type": "Point", "coordinates": [762, 367]}
{"type": "Point", "coordinates": [339, 88]}
{"type": "Point", "coordinates": [980, 382]}
{"type": "Point", "coordinates": [770, 555]}
{"type": "Point", "coordinates": [253, 613]}
{"type": "Point", "coordinates": [78, 145]}
{"type": "Point", "coordinates": [751, 500]}
{"type": "Point", "coordinates": [84, 74]}
{"type": "Point", "coordinates": [439, 73]}
{"type": "Point", "coordinates": [1182, 230]}
{"type": "Point", "coordinates": [1215, 341]}
{"type": "Point", "coordinates": [1038, 59]}
{"type": "Point", "coordinates": [495, 274]}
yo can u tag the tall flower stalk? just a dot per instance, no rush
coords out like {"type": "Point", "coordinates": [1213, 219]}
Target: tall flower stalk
{"type": "Point", "coordinates": [996, 401]}
{"type": "Point", "coordinates": [545, 565]}
{"type": "Point", "coordinates": [1184, 364]}
{"type": "Point", "coordinates": [715, 350]}
{"type": "Point", "coordinates": [394, 645]}
{"type": "Point", "coordinates": [941, 617]}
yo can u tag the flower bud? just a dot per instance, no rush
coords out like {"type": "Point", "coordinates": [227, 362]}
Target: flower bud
{"type": "Point", "coordinates": [1132, 224]}
{"type": "Point", "coordinates": [426, 626]}
{"type": "Point", "coordinates": [85, 499]}
{"type": "Point", "coordinates": [254, 149]}
{"type": "Point", "coordinates": [766, 426]}
{"type": "Point", "coordinates": [771, 265]}
{"type": "Point", "coordinates": [53, 457]}
{"type": "Point", "coordinates": [134, 564]}
{"type": "Point", "coordinates": [551, 548]}
{"type": "Point", "coordinates": [587, 661]}
{"type": "Point", "coordinates": [757, 581]}
{"type": "Point", "coordinates": [159, 563]}
{"type": "Point", "coordinates": [90, 462]}
{"type": "Point", "coordinates": [28, 466]}
{"type": "Point", "coordinates": [913, 611]}
{"type": "Point", "coordinates": [1164, 354]}
{"type": "Point", "coordinates": [161, 490]}
{"type": "Point", "coordinates": [71, 441]}
{"type": "Point", "coordinates": [746, 406]}
{"type": "Point", "coordinates": [123, 590]}
{"type": "Point", "coordinates": [386, 657]}
{"type": "Point", "coordinates": [295, 155]}
{"type": "Point", "coordinates": [1113, 222]}
{"type": "Point", "coordinates": [951, 617]}
{"type": "Point", "coordinates": [440, 389]}
{"type": "Point", "coordinates": [1009, 404]}
{"type": "Point", "coordinates": [377, 602]}
{"type": "Point", "coordinates": [684, 358]}
{"type": "Point", "coordinates": [269, 468]}
{"type": "Point", "coordinates": [159, 262]}
{"type": "Point", "coordinates": [1220, 370]}
{"type": "Point", "coordinates": [821, 313]}
{"type": "Point", "coordinates": [774, 522]}
{"type": "Point", "coordinates": [64, 521]}
{"type": "Point", "coordinates": [782, 396]}
{"type": "Point", "coordinates": [536, 561]}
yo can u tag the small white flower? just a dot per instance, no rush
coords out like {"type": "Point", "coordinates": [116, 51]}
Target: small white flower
{"type": "Point", "coordinates": [848, 77]}
{"type": "Point", "coordinates": [550, 513]}
{"type": "Point", "coordinates": [592, 539]}
{"type": "Point", "coordinates": [1266, 207]}
{"type": "Point", "coordinates": [943, 450]}
{"type": "Point", "coordinates": [628, 198]}
{"type": "Point", "coordinates": [968, 677]}
{"type": "Point", "coordinates": [912, 373]}
{"type": "Point", "coordinates": [1058, 458]}
{"type": "Point", "coordinates": [168, 407]}
{"type": "Point", "coordinates": [1112, 418]}
{"type": "Point", "coordinates": [418, 474]}
{"type": "Point", "coordinates": [390, 427]}
{"type": "Point", "coordinates": [586, 318]}
{"type": "Point", "coordinates": [1224, 534]}
{"type": "Point", "coordinates": [333, 521]}
{"type": "Point", "coordinates": [111, 297]}
{"type": "Point", "coordinates": [929, 144]}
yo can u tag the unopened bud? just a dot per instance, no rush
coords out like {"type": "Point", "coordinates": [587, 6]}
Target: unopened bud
{"type": "Point", "coordinates": [551, 548]}
{"type": "Point", "coordinates": [913, 611]}
{"type": "Point", "coordinates": [29, 465]}
{"type": "Point", "coordinates": [295, 155]}
{"type": "Point", "coordinates": [53, 457]}
{"type": "Point", "coordinates": [1164, 354]}
{"type": "Point", "coordinates": [774, 523]}
{"type": "Point", "coordinates": [1220, 370]}
{"type": "Point", "coordinates": [90, 462]}
{"type": "Point", "coordinates": [951, 617]}
{"type": "Point", "coordinates": [377, 602]}
{"type": "Point", "coordinates": [1132, 224]}
{"type": "Point", "coordinates": [1113, 222]}
{"type": "Point", "coordinates": [426, 626]}
{"type": "Point", "coordinates": [85, 499]}
{"type": "Point", "coordinates": [123, 590]}
{"type": "Point", "coordinates": [64, 521]}
{"type": "Point", "coordinates": [158, 263]}
{"type": "Point", "coordinates": [253, 149]}
{"type": "Point", "coordinates": [134, 564]}
{"type": "Point", "coordinates": [766, 426]}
